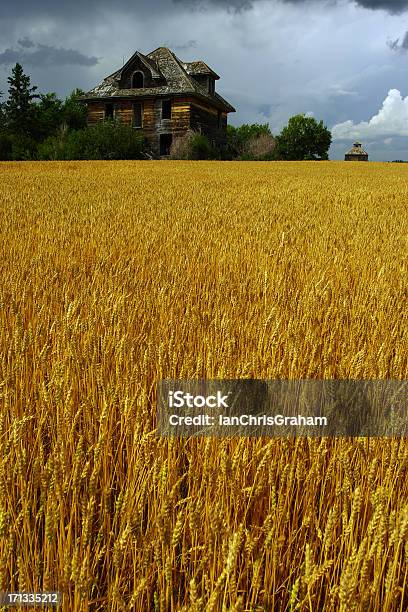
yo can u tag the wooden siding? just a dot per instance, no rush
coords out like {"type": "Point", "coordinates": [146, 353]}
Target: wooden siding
{"type": "Point", "coordinates": [96, 112]}
{"type": "Point", "coordinates": [204, 106]}
{"type": "Point", "coordinates": [124, 112]}
{"type": "Point", "coordinates": [186, 113]}
{"type": "Point", "coordinates": [209, 121]}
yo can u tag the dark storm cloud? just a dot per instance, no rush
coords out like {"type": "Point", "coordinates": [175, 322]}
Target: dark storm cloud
{"type": "Point", "coordinates": [391, 6]}
{"type": "Point", "coordinates": [72, 9]}
{"type": "Point", "coordinates": [26, 42]}
{"type": "Point", "coordinates": [75, 8]}
{"type": "Point", "coordinates": [395, 45]}
{"type": "Point", "coordinates": [46, 55]}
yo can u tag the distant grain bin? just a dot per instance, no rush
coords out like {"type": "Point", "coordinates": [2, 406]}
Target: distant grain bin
{"type": "Point", "coordinates": [356, 153]}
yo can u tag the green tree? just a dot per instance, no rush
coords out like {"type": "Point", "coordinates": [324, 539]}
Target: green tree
{"type": "Point", "coordinates": [2, 114]}
{"type": "Point", "coordinates": [303, 138]}
{"type": "Point", "coordinates": [48, 116]}
{"type": "Point", "coordinates": [239, 138]}
{"type": "Point", "coordinates": [6, 146]}
{"type": "Point", "coordinates": [74, 111]}
{"type": "Point", "coordinates": [19, 108]}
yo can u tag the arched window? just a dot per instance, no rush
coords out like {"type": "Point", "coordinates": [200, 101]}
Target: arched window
{"type": "Point", "coordinates": [137, 80]}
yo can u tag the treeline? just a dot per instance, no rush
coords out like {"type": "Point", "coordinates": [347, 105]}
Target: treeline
{"type": "Point", "coordinates": [246, 142]}
{"type": "Point", "coordinates": [42, 127]}
{"type": "Point", "coordinates": [302, 139]}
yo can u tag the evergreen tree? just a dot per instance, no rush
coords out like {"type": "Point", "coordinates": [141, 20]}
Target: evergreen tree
{"type": "Point", "coordinates": [2, 116]}
{"type": "Point", "coordinates": [19, 109]}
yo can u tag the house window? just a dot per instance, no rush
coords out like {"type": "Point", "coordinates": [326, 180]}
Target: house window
{"type": "Point", "coordinates": [108, 111]}
{"type": "Point", "coordinates": [165, 143]}
{"type": "Point", "coordinates": [137, 80]}
{"type": "Point", "coordinates": [166, 109]}
{"type": "Point", "coordinates": [211, 85]}
{"type": "Point", "coordinates": [219, 119]}
{"type": "Point", "coordinates": [137, 114]}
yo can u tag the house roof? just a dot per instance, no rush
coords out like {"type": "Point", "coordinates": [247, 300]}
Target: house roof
{"type": "Point", "coordinates": [165, 67]}
{"type": "Point", "coordinates": [357, 149]}
{"type": "Point", "coordinates": [199, 67]}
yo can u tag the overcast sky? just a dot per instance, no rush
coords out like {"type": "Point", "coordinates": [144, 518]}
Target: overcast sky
{"type": "Point", "coordinates": [343, 61]}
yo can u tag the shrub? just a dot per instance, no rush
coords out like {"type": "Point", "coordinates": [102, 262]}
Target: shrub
{"type": "Point", "coordinates": [260, 147]}
{"type": "Point", "coordinates": [6, 147]}
{"type": "Point", "coordinates": [23, 148]}
{"type": "Point", "coordinates": [180, 146]}
{"type": "Point", "coordinates": [201, 148]}
{"type": "Point", "coordinates": [106, 140]}
{"type": "Point", "coordinates": [193, 145]}
{"type": "Point", "coordinates": [239, 138]}
{"type": "Point", "coordinates": [17, 147]}
{"type": "Point", "coordinates": [53, 147]}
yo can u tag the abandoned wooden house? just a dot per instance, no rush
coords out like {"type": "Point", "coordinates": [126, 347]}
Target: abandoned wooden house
{"type": "Point", "coordinates": [162, 97]}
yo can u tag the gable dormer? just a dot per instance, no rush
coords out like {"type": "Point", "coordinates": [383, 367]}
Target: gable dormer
{"type": "Point", "coordinates": [203, 75]}
{"type": "Point", "coordinates": [140, 72]}
{"type": "Point", "coordinates": [206, 81]}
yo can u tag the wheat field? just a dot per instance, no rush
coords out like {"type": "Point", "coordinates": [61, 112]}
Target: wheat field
{"type": "Point", "coordinates": [117, 274]}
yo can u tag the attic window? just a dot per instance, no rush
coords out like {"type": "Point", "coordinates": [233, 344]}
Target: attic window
{"type": "Point", "coordinates": [211, 85]}
{"type": "Point", "coordinates": [137, 80]}
{"type": "Point", "coordinates": [108, 111]}
{"type": "Point", "coordinates": [166, 109]}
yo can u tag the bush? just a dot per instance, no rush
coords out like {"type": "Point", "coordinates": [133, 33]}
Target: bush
{"type": "Point", "coordinates": [180, 147]}
{"type": "Point", "coordinates": [106, 140]}
{"type": "Point", "coordinates": [6, 147]}
{"type": "Point", "coordinates": [17, 147]}
{"type": "Point", "coordinates": [193, 145]}
{"type": "Point", "coordinates": [260, 147]}
{"type": "Point", "coordinates": [201, 148]}
{"type": "Point", "coordinates": [23, 148]}
{"type": "Point", "coordinates": [239, 139]}
{"type": "Point", "coordinates": [53, 147]}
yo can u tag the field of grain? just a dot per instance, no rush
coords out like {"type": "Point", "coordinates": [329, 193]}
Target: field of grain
{"type": "Point", "coordinates": [116, 274]}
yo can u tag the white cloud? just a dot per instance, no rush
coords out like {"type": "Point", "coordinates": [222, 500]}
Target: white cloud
{"type": "Point", "coordinates": [391, 120]}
